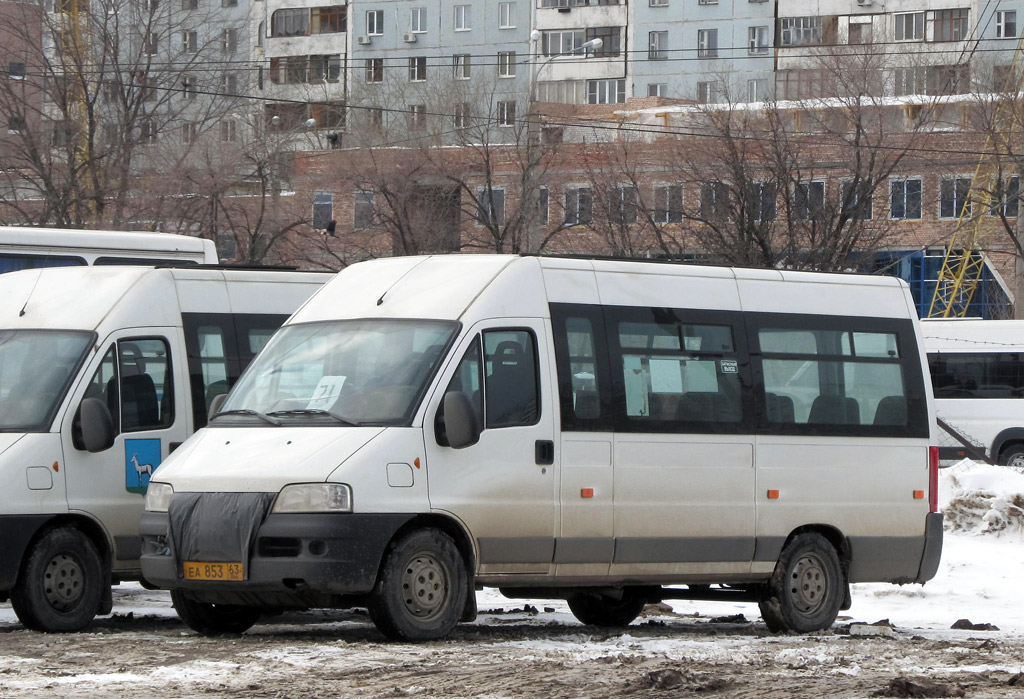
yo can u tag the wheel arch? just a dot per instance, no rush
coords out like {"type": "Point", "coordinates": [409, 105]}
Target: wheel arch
{"type": "Point", "coordinates": [446, 524]}
{"type": "Point", "coordinates": [1006, 438]}
{"type": "Point", "coordinates": [831, 534]}
{"type": "Point", "coordinates": [86, 525]}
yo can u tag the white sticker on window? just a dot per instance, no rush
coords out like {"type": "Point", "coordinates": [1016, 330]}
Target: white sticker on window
{"type": "Point", "coordinates": [326, 393]}
{"type": "Point", "coordinates": [728, 366]}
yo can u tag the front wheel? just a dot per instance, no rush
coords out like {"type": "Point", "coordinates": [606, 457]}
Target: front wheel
{"type": "Point", "coordinates": [213, 619]}
{"type": "Point", "coordinates": [597, 609]}
{"type": "Point", "coordinates": [1013, 456]}
{"type": "Point", "coordinates": [807, 588]}
{"type": "Point", "coordinates": [421, 591]}
{"type": "Point", "coordinates": [61, 584]}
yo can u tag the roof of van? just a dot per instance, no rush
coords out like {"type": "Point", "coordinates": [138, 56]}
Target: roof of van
{"type": "Point", "coordinates": [972, 335]}
{"type": "Point", "coordinates": [59, 238]}
{"type": "Point", "coordinates": [447, 286]}
{"type": "Point", "coordinates": [83, 298]}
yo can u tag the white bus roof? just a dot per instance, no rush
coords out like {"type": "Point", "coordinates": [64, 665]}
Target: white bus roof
{"type": "Point", "coordinates": [55, 240]}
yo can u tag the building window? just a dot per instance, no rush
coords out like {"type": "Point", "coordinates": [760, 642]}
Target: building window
{"type": "Point", "coordinates": [460, 66]}
{"type": "Point", "coordinates": [757, 41]}
{"type": "Point", "coordinates": [417, 117]}
{"type": "Point", "coordinates": [324, 68]}
{"type": "Point", "coordinates": [374, 22]}
{"type": "Point", "coordinates": [461, 118]}
{"type": "Point", "coordinates": [1006, 24]}
{"type": "Point", "coordinates": [323, 210]}
{"type": "Point", "coordinates": [16, 124]}
{"type": "Point", "coordinates": [188, 87]}
{"type": "Point", "coordinates": [187, 5]}
{"type": "Point", "coordinates": [561, 42]}
{"type": "Point", "coordinates": [16, 70]}
{"type": "Point", "coordinates": [761, 202]}
{"type": "Point", "coordinates": [707, 43]}
{"type": "Point", "coordinates": [506, 64]}
{"type": "Point", "coordinates": [949, 25]}
{"type": "Point", "coordinates": [856, 202]}
{"type": "Point", "coordinates": [657, 46]}
{"type": "Point", "coordinates": [905, 199]}
{"type": "Point", "coordinates": [908, 26]}
{"type": "Point", "coordinates": [189, 132]}
{"type": "Point", "coordinates": [668, 203]}
{"type": "Point", "coordinates": [542, 204]}
{"type": "Point", "coordinates": [229, 3]}
{"type": "Point", "coordinates": [417, 68]}
{"type": "Point", "coordinates": [229, 40]}
{"type": "Point", "coordinates": [714, 201]}
{"type": "Point", "coordinates": [490, 210]}
{"type": "Point", "coordinates": [910, 81]}
{"type": "Point", "coordinates": [152, 44]}
{"type": "Point", "coordinates": [418, 20]}
{"type": "Point", "coordinates": [362, 209]}
{"type": "Point", "coordinates": [506, 15]}
{"type": "Point", "coordinates": [292, 22]}
{"type": "Point", "coordinates": [579, 206]}
{"type": "Point", "coordinates": [705, 91]}
{"type": "Point", "coordinates": [190, 42]}
{"type": "Point", "coordinates": [657, 89]}
{"type": "Point", "coordinates": [612, 91]}
{"type": "Point", "coordinates": [659, 3]}
{"type": "Point", "coordinates": [329, 20]}
{"type": "Point", "coordinates": [622, 209]}
{"type": "Point", "coordinates": [147, 132]}
{"type": "Point", "coordinates": [611, 40]}
{"type": "Point", "coordinates": [800, 31]}
{"type": "Point", "coordinates": [229, 131]}
{"type": "Point", "coordinates": [462, 18]}
{"type": "Point", "coordinates": [506, 113]}
{"type": "Point", "coordinates": [1007, 198]}
{"type": "Point", "coordinates": [954, 197]}
{"type": "Point", "coordinates": [229, 83]}
{"type": "Point", "coordinates": [757, 89]}
{"type": "Point", "coordinates": [374, 70]}
{"type": "Point", "coordinates": [375, 118]}
{"type": "Point", "coordinates": [809, 200]}
{"type": "Point", "coordinates": [948, 79]}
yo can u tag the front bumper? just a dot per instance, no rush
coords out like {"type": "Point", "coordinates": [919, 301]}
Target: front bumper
{"type": "Point", "coordinates": [300, 555]}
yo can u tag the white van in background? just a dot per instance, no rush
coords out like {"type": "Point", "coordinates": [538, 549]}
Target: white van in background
{"type": "Point", "coordinates": [556, 427]}
{"type": "Point", "coordinates": [977, 371]}
{"type": "Point", "coordinates": [104, 371]}
{"type": "Point", "coordinates": [32, 248]}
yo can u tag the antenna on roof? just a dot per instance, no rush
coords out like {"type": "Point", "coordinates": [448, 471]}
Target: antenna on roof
{"type": "Point", "coordinates": [395, 283]}
{"type": "Point", "coordinates": [31, 291]}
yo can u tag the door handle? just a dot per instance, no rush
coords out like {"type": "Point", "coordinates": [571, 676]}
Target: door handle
{"type": "Point", "coordinates": [544, 452]}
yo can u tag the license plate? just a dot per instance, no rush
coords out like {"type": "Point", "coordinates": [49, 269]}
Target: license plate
{"type": "Point", "coordinates": [214, 571]}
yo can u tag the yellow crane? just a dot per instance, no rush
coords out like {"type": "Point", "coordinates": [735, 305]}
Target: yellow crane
{"type": "Point", "coordinates": [964, 261]}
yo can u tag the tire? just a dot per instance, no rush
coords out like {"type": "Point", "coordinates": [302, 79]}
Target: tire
{"type": "Point", "coordinates": [61, 584]}
{"type": "Point", "coordinates": [213, 619]}
{"type": "Point", "coordinates": [421, 590]}
{"type": "Point", "coordinates": [1013, 456]}
{"type": "Point", "coordinates": [807, 588]}
{"type": "Point", "coordinates": [595, 609]}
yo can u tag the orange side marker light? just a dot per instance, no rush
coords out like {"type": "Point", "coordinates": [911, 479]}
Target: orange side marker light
{"type": "Point", "coordinates": [586, 492]}
{"type": "Point", "coordinates": [773, 495]}
{"type": "Point", "coordinates": [416, 462]}
{"type": "Point", "coordinates": [56, 467]}
{"type": "Point", "coordinates": [919, 495]}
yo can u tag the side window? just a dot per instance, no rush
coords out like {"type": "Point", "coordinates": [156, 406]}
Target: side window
{"type": "Point", "coordinates": [103, 385]}
{"type": "Point", "coordinates": [586, 396]}
{"type": "Point", "coordinates": [146, 384]}
{"type": "Point", "coordinates": [467, 380]}
{"type": "Point", "coordinates": [830, 380]}
{"type": "Point", "coordinates": [511, 383]}
{"type": "Point", "coordinates": [678, 372]}
{"type": "Point", "coordinates": [977, 375]}
{"type": "Point", "coordinates": [214, 362]}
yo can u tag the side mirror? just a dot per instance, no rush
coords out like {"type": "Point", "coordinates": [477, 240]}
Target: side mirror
{"type": "Point", "coordinates": [97, 425]}
{"type": "Point", "coordinates": [460, 420]}
{"type": "Point", "coordinates": [218, 400]}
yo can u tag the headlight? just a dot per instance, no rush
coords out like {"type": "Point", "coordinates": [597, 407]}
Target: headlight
{"type": "Point", "coordinates": [314, 497]}
{"type": "Point", "coordinates": [158, 497]}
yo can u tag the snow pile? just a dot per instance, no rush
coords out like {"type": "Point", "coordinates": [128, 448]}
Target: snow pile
{"type": "Point", "coordinates": [980, 499]}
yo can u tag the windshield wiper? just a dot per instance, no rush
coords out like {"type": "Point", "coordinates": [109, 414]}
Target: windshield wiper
{"type": "Point", "coordinates": [262, 416]}
{"type": "Point", "coordinates": [315, 411]}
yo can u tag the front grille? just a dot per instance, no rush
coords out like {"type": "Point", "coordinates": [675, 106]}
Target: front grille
{"type": "Point", "coordinates": [278, 547]}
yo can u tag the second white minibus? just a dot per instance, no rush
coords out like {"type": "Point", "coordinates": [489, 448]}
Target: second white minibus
{"type": "Point", "coordinates": [613, 433]}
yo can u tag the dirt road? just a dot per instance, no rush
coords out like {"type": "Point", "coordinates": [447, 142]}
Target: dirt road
{"type": "Point", "coordinates": [510, 651]}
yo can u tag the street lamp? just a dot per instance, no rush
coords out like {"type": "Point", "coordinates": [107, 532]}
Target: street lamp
{"type": "Point", "coordinates": [532, 132]}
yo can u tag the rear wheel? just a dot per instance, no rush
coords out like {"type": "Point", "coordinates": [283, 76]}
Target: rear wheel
{"type": "Point", "coordinates": [421, 591]}
{"type": "Point", "coordinates": [213, 619]}
{"type": "Point", "coordinates": [61, 584]}
{"type": "Point", "coordinates": [596, 609]}
{"type": "Point", "coordinates": [807, 588]}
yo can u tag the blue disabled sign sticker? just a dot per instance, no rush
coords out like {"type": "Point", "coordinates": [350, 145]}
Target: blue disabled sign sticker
{"type": "Point", "coordinates": [141, 457]}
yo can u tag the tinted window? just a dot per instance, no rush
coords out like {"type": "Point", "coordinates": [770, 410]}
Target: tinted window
{"type": "Point", "coordinates": [977, 375]}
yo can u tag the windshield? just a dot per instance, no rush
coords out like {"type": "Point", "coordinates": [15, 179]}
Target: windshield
{"type": "Point", "coordinates": [36, 368]}
{"type": "Point", "coordinates": [359, 372]}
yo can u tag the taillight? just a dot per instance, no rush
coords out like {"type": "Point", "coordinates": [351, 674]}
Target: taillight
{"type": "Point", "coordinates": [933, 479]}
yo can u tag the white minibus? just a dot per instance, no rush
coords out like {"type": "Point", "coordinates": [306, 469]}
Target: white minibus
{"type": "Point", "coordinates": [609, 432]}
{"type": "Point", "coordinates": [104, 371]}
{"type": "Point", "coordinates": [31, 248]}
{"type": "Point", "coordinates": [977, 372]}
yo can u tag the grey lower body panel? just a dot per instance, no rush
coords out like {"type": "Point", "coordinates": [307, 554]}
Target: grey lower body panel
{"type": "Point", "coordinates": [617, 550]}
{"type": "Point", "coordinates": [897, 559]}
